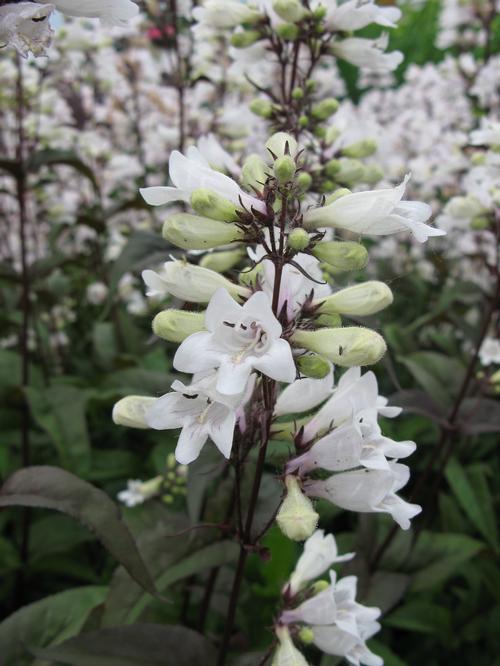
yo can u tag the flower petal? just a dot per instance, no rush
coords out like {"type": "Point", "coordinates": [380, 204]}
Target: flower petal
{"type": "Point", "coordinates": [277, 363]}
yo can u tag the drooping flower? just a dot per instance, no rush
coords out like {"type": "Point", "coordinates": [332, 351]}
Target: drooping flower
{"type": "Point", "coordinates": [26, 27]}
{"type": "Point", "coordinates": [354, 15]}
{"type": "Point", "coordinates": [238, 340]}
{"type": "Point", "coordinates": [137, 491]}
{"type": "Point", "coordinates": [375, 212]}
{"type": "Point", "coordinates": [286, 653]}
{"type": "Point", "coordinates": [111, 12]}
{"type": "Point", "coordinates": [368, 53]}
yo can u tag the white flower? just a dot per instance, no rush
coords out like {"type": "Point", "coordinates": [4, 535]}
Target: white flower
{"type": "Point", "coordinates": [304, 395]}
{"type": "Point", "coordinates": [489, 352]}
{"type": "Point", "coordinates": [111, 12]}
{"type": "Point", "coordinates": [201, 412]}
{"type": "Point", "coordinates": [320, 552]}
{"type": "Point", "coordinates": [238, 340]}
{"type": "Point", "coordinates": [368, 53]}
{"type": "Point", "coordinates": [188, 282]}
{"type": "Point", "coordinates": [287, 654]}
{"type": "Point", "coordinates": [375, 212]}
{"type": "Point", "coordinates": [223, 13]}
{"type": "Point", "coordinates": [216, 156]}
{"type": "Point", "coordinates": [25, 26]}
{"type": "Point", "coordinates": [138, 491]}
{"type": "Point", "coordinates": [487, 135]}
{"type": "Point", "coordinates": [339, 624]}
{"type": "Point", "coordinates": [354, 15]}
{"type": "Point", "coordinates": [194, 172]}
{"type": "Point", "coordinates": [368, 491]}
{"type": "Point", "coordinates": [97, 293]}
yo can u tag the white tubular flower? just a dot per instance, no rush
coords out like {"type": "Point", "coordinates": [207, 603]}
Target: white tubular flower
{"type": "Point", "coordinates": [489, 353]}
{"type": "Point", "coordinates": [487, 135]}
{"type": "Point", "coordinates": [287, 654]}
{"type": "Point", "coordinates": [111, 12]}
{"type": "Point", "coordinates": [335, 641]}
{"type": "Point", "coordinates": [25, 26]}
{"type": "Point", "coordinates": [216, 156]}
{"type": "Point", "coordinates": [368, 54]}
{"type": "Point", "coordinates": [137, 491]}
{"type": "Point", "coordinates": [192, 173]}
{"type": "Point", "coordinates": [131, 411]}
{"type": "Point", "coordinates": [354, 15]}
{"type": "Point", "coordinates": [375, 212]}
{"type": "Point", "coordinates": [368, 491]}
{"type": "Point", "coordinates": [239, 339]}
{"type": "Point", "coordinates": [201, 412]}
{"type": "Point", "coordinates": [189, 282]}
{"type": "Point", "coordinates": [304, 395]}
{"type": "Point", "coordinates": [224, 13]}
{"type": "Point", "coordinates": [320, 552]}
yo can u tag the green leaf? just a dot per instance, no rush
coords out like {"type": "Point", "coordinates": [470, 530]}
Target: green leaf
{"type": "Point", "coordinates": [475, 499]}
{"type": "Point", "coordinates": [9, 556]}
{"type": "Point", "coordinates": [477, 417]}
{"type": "Point", "coordinates": [53, 488]}
{"type": "Point", "coordinates": [55, 534]}
{"type": "Point", "coordinates": [390, 659]}
{"type": "Point", "coordinates": [43, 623]}
{"type": "Point", "coordinates": [433, 371]}
{"type": "Point", "coordinates": [138, 645]}
{"type": "Point", "coordinates": [60, 411]}
{"type": "Point", "coordinates": [54, 157]}
{"type": "Point", "coordinates": [422, 617]}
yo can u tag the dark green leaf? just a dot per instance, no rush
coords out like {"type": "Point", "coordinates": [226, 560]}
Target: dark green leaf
{"type": "Point", "coordinates": [422, 617]}
{"type": "Point", "coordinates": [477, 417]}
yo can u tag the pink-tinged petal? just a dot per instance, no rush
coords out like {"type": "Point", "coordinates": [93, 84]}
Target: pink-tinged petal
{"type": "Point", "coordinates": [196, 354]}
{"type": "Point", "coordinates": [222, 307]}
{"type": "Point", "coordinates": [159, 196]}
{"type": "Point", "coordinates": [166, 412]}
{"type": "Point", "coordinates": [232, 377]}
{"type": "Point", "coordinates": [221, 431]}
{"type": "Point", "coordinates": [259, 307]}
{"type": "Point", "coordinates": [190, 443]}
{"type": "Point", "coordinates": [277, 363]}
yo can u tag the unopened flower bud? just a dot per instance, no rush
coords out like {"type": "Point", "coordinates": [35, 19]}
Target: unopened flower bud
{"type": "Point", "coordinates": [286, 653]}
{"type": "Point", "coordinates": [320, 586]}
{"type": "Point", "coordinates": [253, 173]}
{"type": "Point", "coordinates": [306, 635]}
{"type": "Point", "coordinates": [480, 223]}
{"type": "Point", "coordinates": [324, 109]}
{"type": "Point", "coordinates": [341, 255]}
{"type": "Point", "coordinates": [314, 366]}
{"type": "Point", "coordinates": [296, 518]}
{"type": "Point", "coordinates": [289, 10]}
{"type": "Point", "coordinates": [303, 121]}
{"type": "Point", "coordinates": [261, 107]}
{"type": "Point", "coordinates": [284, 169]}
{"type": "Point", "coordinates": [131, 411]}
{"type": "Point", "coordinates": [212, 205]}
{"type": "Point", "coordinates": [304, 181]}
{"type": "Point", "coordinates": [245, 38]}
{"type": "Point", "coordinates": [328, 320]}
{"type": "Point", "coordinates": [320, 132]}
{"type": "Point", "coordinates": [363, 148]}
{"type": "Point", "coordinates": [191, 232]}
{"type": "Point", "coordinates": [348, 346]}
{"type": "Point", "coordinates": [223, 261]}
{"type": "Point", "coordinates": [249, 277]}
{"type": "Point", "coordinates": [281, 143]}
{"type": "Point", "coordinates": [362, 299]}
{"type": "Point", "coordinates": [341, 192]}
{"type": "Point", "coordinates": [345, 171]}
{"type": "Point", "coordinates": [177, 325]}
{"type": "Point", "coordinates": [287, 31]}
{"type": "Point", "coordinates": [332, 134]}
{"type": "Point", "coordinates": [320, 12]}
{"type": "Point", "coordinates": [298, 239]}
{"type": "Point", "coordinates": [297, 93]}
{"type": "Point", "coordinates": [372, 174]}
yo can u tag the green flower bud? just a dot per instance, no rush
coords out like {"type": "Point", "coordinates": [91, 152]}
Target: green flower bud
{"type": "Point", "coordinates": [298, 239]}
{"type": "Point", "coordinates": [320, 12]}
{"type": "Point", "coordinates": [359, 149]}
{"type": "Point", "coordinates": [261, 107]}
{"type": "Point", "coordinates": [277, 144]}
{"type": "Point", "coordinates": [284, 431]}
{"type": "Point", "coordinates": [284, 169]}
{"type": "Point", "coordinates": [191, 232]}
{"type": "Point", "coordinates": [297, 93]}
{"type": "Point", "coordinates": [341, 255]}
{"type": "Point", "coordinates": [320, 132]}
{"type": "Point", "coordinates": [168, 499]}
{"type": "Point", "coordinates": [332, 134]}
{"type": "Point", "coordinates": [313, 365]}
{"type": "Point", "coordinates": [249, 278]}
{"type": "Point", "coordinates": [287, 31]}
{"type": "Point", "coordinates": [304, 181]}
{"type": "Point", "coordinates": [253, 173]}
{"type": "Point", "coordinates": [296, 518]}
{"type": "Point", "coordinates": [131, 411]}
{"type": "Point", "coordinates": [348, 346]}
{"type": "Point", "coordinates": [221, 262]}
{"type": "Point", "coordinates": [326, 186]}
{"type": "Point", "coordinates": [171, 461]}
{"type": "Point", "coordinates": [245, 38]}
{"type": "Point", "coordinates": [362, 299]}
{"type": "Point", "coordinates": [320, 586]}
{"type": "Point", "coordinates": [289, 10]}
{"type": "Point", "coordinates": [480, 222]}
{"type": "Point", "coordinates": [341, 192]}
{"type": "Point", "coordinates": [212, 205]}
{"type": "Point", "coordinates": [325, 108]}
{"type": "Point", "coordinates": [177, 325]}
{"type": "Point", "coordinates": [311, 85]}
{"type": "Point", "coordinates": [372, 174]}
{"type": "Point", "coordinates": [303, 121]}
{"type": "Point", "coordinates": [328, 320]}
{"type": "Point", "coordinates": [345, 171]}
{"type": "Point", "coordinates": [306, 635]}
